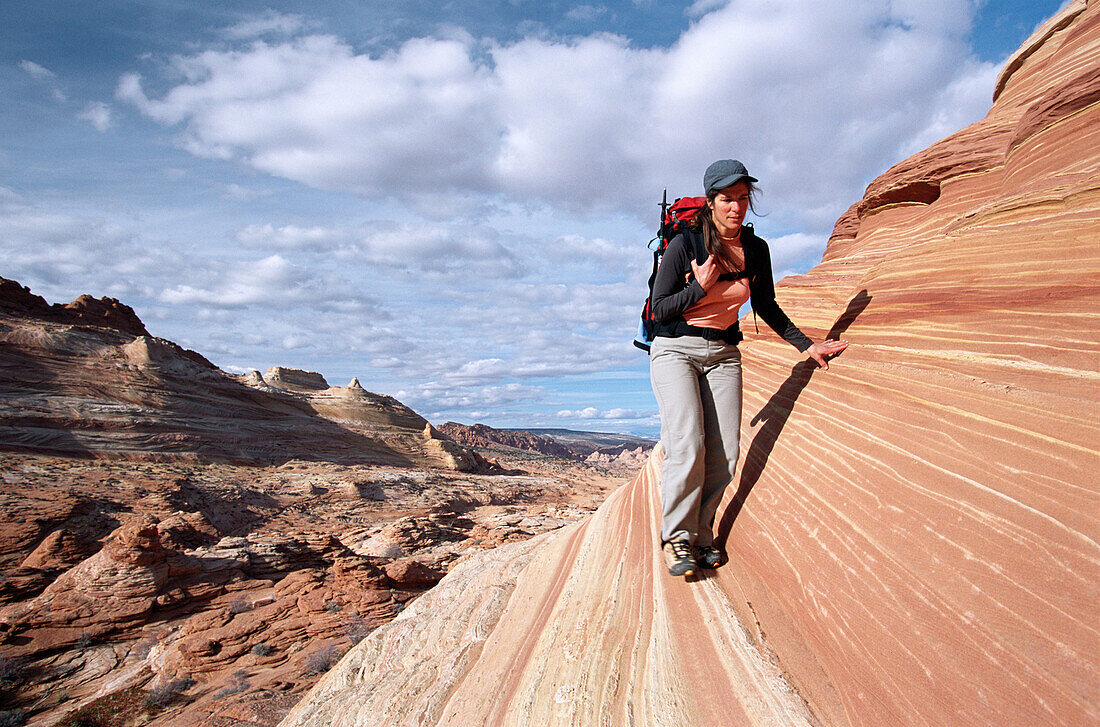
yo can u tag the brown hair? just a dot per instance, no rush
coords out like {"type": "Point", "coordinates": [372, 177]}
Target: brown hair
{"type": "Point", "coordinates": [704, 220]}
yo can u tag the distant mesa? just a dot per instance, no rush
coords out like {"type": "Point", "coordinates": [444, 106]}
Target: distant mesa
{"type": "Point", "coordinates": [482, 435]}
{"type": "Point", "coordinates": [596, 448]}
{"type": "Point", "coordinates": [295, 379]}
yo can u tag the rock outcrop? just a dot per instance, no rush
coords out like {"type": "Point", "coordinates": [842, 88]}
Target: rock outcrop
{"type": "Point", "coordinates": [295, 379]}
{"type": "Point", "coordinates": [620, 457]}
{"type": "Point", "coordinates": [482, 435]}
{"type": "Point", "coordinates": [18, 300]}
{"type": "Point", "coordinates": [580, 446]}
{"type": "Point", "coordinates": [912, 535]}
{"type": "Point", "coordinates": [87, 379]}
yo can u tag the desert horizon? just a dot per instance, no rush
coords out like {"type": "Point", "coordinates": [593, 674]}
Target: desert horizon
{"type": "Point", "coordinates": [249, 179]}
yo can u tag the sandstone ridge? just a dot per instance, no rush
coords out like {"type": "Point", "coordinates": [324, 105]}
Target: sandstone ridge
{"type": "Point", "coordinates": [588, 447]}
{"type": "Point", "coordinates": [88, 379]}
{"type": "Point", "coordinates": [912, 535]}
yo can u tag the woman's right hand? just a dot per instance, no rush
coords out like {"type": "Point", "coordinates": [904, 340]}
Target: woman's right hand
{"type": "Point", "coordinates": [706, 273]}
{"type": "Point", "coordinates": [822, 352]}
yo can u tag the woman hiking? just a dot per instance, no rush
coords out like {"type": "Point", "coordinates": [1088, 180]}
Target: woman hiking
{"type": "Point", "coordinates": [695, 365]}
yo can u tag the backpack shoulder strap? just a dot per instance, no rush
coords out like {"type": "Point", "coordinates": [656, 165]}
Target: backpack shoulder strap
{"type": "Point", "coordinates": [752, 244]}
{"type": "Point", "coordinates": [695, 239]}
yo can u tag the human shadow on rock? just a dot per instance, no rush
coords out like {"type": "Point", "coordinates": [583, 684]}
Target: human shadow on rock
{"type": "Point", "coordinates": [774, 415]}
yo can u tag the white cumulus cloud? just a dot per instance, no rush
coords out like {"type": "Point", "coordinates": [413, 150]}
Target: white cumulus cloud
{"type": "Point", "coordinates": [36, 71]}
{"type": "Point", "coordinates": [289, 237]}
{"type": "Point", "coordinates": [98, 114]}
{"type": "Point", "coordinates": [268, 23]}
{"type": "Point", "coordinates": [815, 97]}
{"type": "Point", "coordinates": [312, 110]}
{"type": "Point", "coordinates": [269, 281]}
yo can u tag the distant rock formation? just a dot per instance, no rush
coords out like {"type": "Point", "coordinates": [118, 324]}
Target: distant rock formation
{"type": "Point", "coordinates": [171, 529]}
{"type": "Point", "coordinates": [621, 456]}
{"type": "Point", "coordinates": [912, 536]}
{"type": "Point", "coordinates": [457, 457]}
{"type": "Point", "coordinates": [16, 299]}
{"type": "Point", "coordinates": [482, 435]}
{"type": "Point", "coordinates": [87, 379]}
{"type": "Point", "coordinates": [295, 379]}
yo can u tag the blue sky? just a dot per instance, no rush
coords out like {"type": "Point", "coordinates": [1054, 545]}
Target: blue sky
{"type": "Point", "coordinates": [450, 201]}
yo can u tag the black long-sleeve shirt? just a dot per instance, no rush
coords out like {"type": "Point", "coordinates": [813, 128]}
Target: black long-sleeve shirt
{"type": "Point", "coordinates": [671, 296]}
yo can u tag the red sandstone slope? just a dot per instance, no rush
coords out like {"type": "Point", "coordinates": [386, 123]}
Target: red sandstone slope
{"type": "Point", "coordinates": [913, 535]}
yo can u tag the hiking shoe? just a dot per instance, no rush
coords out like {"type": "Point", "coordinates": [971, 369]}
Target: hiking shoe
{"type": "Point", "coordinates": [678, 557]}
{"type": "Point", "coordinates": [708, 556]}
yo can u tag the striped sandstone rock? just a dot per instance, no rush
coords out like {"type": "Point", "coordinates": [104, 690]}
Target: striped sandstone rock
{"type": "Point", "coordinates": [913, 535]}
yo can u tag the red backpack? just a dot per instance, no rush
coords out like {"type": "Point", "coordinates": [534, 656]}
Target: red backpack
{"type": "Point", "coordinates": [675, 218]}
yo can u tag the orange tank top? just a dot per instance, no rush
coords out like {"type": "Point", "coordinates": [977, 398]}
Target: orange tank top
{"type": "Point", "coordinates": [719, 307]}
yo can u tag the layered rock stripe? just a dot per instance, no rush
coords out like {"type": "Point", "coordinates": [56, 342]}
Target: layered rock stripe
{"type": "Point", "coordinates": [912, 535]}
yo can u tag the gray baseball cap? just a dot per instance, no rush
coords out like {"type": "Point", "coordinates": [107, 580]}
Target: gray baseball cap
{"type": "Point", "coordinates": [725, 173]}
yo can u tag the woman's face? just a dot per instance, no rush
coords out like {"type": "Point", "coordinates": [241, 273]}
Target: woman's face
{"type": "Point", "coordinates": [730, 206]}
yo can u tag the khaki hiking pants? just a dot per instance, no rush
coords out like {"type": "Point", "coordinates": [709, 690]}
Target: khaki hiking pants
{"type": "Point", "coordinates": [698, 388]}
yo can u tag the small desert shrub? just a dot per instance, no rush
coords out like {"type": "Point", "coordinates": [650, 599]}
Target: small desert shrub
{"type": "Point", "coordinates": [332, 607]}
{"type": "Point", "coordinates": [240, 604]}
{"type": "Point", "coordinates": [12, 669]}
{"type": "Point", "coordinates": [262, 649]}
{"type": "Point", "coordinates": [12, 718]}
{"type": "Point", "coordinates": [85, 717]}
{"type": "Point", "coordinates": [239, 684]}
{"type": "Point", "coordinates": [84, 641]}
{"type": "Point", "coordinates": [233, 688]}
{"type": "Point", "coordinates": [165, 693]}
{"type": "Point", "coordinates": [322, 659]}
{"type": "Point", "coordinates": [113, 710]}
{"type": "Point", "coordinates": [142, 648]}
{"type": "Point", "coordinates": [356, 629]}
